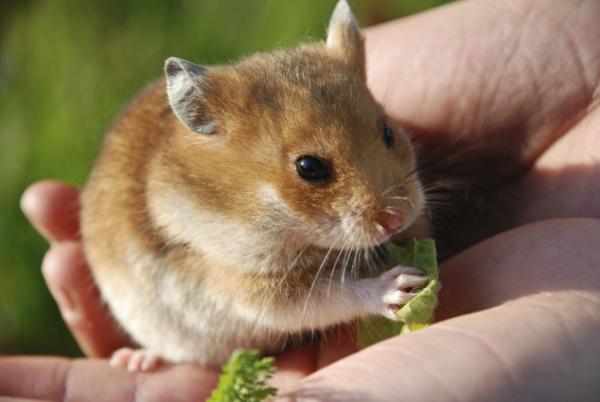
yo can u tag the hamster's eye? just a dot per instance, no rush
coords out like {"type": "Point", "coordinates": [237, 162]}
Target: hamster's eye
{"type": "Point", "coordinates": [312, 169]}
{"type": "Point", "coordinates": [388, 135]}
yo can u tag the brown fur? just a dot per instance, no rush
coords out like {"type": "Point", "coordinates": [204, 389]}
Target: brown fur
{"type": "Point", "coordinates": [269, 109]}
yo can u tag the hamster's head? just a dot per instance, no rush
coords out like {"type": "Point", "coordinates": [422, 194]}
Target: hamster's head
{"type": "Point", "coordinates": [291, 145]}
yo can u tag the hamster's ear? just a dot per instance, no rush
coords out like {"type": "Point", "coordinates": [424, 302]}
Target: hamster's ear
{"type": "Point", "coordinates": [343, 35]}
{"type": "Point", "coordinates": [186, 87]}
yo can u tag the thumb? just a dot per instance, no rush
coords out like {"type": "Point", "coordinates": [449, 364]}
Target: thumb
{"type": "Point", "coordinates": [72, 285]}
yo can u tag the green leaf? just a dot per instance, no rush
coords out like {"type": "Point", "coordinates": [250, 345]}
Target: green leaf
{"type": "Point", "coordinates": [417, 313]}
{"type": "Point", "coordinates": [244, 378]}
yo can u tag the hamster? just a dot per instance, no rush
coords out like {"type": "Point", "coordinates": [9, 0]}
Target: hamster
{"type": "Point", "coordinates": [243, 205]}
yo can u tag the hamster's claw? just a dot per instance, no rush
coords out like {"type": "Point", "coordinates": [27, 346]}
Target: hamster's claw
{"type": "Point", "coordinates": [399, 284]}
{"type": "Point", "coordinates": [135, 360]}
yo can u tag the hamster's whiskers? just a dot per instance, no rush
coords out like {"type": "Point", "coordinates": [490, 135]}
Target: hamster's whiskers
{"type": "Point", "coordinates": [371, 253]}
{"type": "Point", "coordinates": [362, 252]}
{"type": "Point", "coordinates": [315, 279]}
{"type": "Point", "coordinates": [318, 231]}
{"type": "Point", "coordinates": [391, 188]}
{"type": "Point", "coordinates": [337, 259]}
{"type": "Point", "coordinates": [392, 210]}
{"type": "Point", "coordinates": [414, 173]}
{"type": "Point", "coordinates": [347, 253]}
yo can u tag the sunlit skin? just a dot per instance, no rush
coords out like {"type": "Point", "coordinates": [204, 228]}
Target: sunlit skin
{"type": "Point", "coordinates": [519, 312]}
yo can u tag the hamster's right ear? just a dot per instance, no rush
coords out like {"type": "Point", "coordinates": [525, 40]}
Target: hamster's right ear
{"type": "Point", "coordinates": [186, 89]}
{"type": "Point", "coordinates": [344, 38]}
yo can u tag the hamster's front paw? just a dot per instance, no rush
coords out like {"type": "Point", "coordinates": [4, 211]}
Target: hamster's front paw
{"type": "Point", "coordinates": [135, 359]}
{"type": "Point", "coordinates": [398, 288]}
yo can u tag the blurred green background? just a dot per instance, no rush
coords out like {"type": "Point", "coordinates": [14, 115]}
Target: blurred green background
{"type": "Point", "coordinates": [66, 69]}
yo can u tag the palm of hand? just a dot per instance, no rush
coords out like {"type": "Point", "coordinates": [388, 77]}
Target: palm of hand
{"type": "Point", "coordinates": [511, 77]}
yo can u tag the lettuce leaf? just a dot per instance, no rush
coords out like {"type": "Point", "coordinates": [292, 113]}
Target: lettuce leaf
{"type": "Point", "coordinates": [417, 313]}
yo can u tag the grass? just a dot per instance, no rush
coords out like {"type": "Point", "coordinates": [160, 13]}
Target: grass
{"type": "Point", "coordinates": [66, 69]}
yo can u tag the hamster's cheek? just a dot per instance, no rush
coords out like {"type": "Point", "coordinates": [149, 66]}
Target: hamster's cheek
{"type": "Point", "coordinates": [273, 209]}
{"type": "Point", "coordinates": [318, 228]}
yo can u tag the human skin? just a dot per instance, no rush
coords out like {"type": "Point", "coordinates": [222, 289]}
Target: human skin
{"type": "Point", "coordinates": [520, 309]}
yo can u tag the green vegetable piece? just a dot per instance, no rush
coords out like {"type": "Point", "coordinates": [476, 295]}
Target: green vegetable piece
{"type": "Point", "coordinates": [244, 378]}
{"type": "Point", "coordinates": [417, 313]}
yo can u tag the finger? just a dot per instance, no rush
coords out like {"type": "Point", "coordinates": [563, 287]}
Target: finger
{"type": "Point", "coordinates": [304, 360]}
{"type": "Point", "coordinates": [568, 165]}
{"type": "Point", "coordinates": [83, 379]}
{"type": "Point", "coordinates": [189, 382]}
{"type": "Point", "coordinates": [37, 378]}
{"type": "Point", "coordinates": [339, 342]}
{"type": "Point", "coordinates": [53, 209]}
{"type": "Point", "coordinates": [558, 254]}
{"type": "Point", "coordinates": [72, 286]}
{"type": "Point", "coordinates": [293, 365]}
{"type": "Point", "coordinates": [455, 88]}
{"type": "Point", "coordinates": [539, 348]}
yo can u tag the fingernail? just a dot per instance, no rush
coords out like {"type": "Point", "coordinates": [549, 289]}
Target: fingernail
{"type": "Point", "coordinates": [28, 204]}
{"type": "Point", "coordinates": [67, 305]}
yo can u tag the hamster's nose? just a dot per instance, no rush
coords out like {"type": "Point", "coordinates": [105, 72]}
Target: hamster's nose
{"type": "Point", "coordinates": [391, 222]}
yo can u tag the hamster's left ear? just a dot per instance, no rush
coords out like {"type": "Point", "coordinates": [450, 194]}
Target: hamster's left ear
{"type": "Point", "coordinates": [343, 36]}
{"type": "Point", "coordinates": [187, 85]}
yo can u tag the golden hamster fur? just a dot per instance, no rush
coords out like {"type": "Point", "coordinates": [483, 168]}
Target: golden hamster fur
{"type": "Point", "coordinates": [238, 206]}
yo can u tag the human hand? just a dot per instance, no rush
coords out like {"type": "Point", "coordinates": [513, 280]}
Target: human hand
{"type": "Point", "coordinates": [53, 209]}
